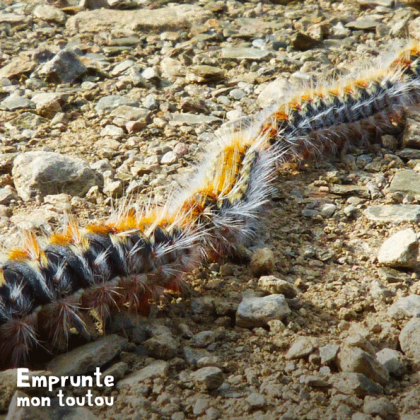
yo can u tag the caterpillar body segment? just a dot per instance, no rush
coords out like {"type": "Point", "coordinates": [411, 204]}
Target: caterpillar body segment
{"type": "Point", "coordinates": [82, 276]}
{"type": "Point", "coordinates": [91, 273]}
{"type": "Point", "coordinates": [322, 120]}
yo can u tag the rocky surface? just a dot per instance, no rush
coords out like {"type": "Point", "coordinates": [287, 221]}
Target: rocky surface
{"type": "Point", "coordinates": [104, 102]}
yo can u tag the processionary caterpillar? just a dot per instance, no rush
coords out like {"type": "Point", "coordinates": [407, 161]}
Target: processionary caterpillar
{"type": "Point", "coordinates": [131, 258]}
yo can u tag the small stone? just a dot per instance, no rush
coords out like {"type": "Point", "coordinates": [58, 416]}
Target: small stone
{"type": "Point", "coordinates": [50, 14]}
{"type": "Point", "coordinates": [7, 194]}
{"type": "Point", "coordinates": [204, 74]}
{"type": "Point", "coordinates": [262, 261]}
{"type": "Point", "coordinates": [109, 103]}
{"type": "Point", "coordinates": [156, 369]}
{"type": "Point", "coordinates": [256, 312]}
{"type": "Point", "coordinates": [328, 209]}
{"type": "Point", "coordinates": [400, 250]}
{"type": "Point", "coordinates": [65, 67]}
{"type": "Point", "coordinates": [355, 384]}
{"type": "Point", "coordinates": [193, 355]}
{"type": "Point", "coordinates": [244, 53]}
{"type": "Point", "coordinates": [274, 285]}
{"type": "Point", "coordinates": [43, 173]}
{"type": "Point", "coordinates": [358, 340]}
{"type": "Point", "coordinates": [380, 407]}
{"type": "Point", "coordinates": [273, 91]}
{"type": "Point", "coordinates": [16, 68]}
{"type": "Point", "coordinates": [406, 306]}
{"type": "Point", "coordinates": [87, 358]}
{"type": "Point", "coordinates": [47, 104]}
{"type": "Point", "coordinates": [14, 102]}
{"type": "Point", "coordinates": [192, 119]}
{"type": "Point", "coordinates": [203, 339]}
{"type": "Point", "coordinates": [209, 377]}
{"type": "Point", "coordinates": [256, 401]}
{"type": "Point", "coordinates": [328, 353]}
{"type": "Point", "coordinates": [302, 42]}
{"type": "Point", "coordinates": [237, 94]}
{"type": "Point", "coordinates": [151, 74]}
{"type": "Point", "coordinates": [200, 406]}
{"type": "Point", "coordinates": [169, 158]}
{"type": "Point", "coordinates": [394, 213]}
{"type": "Point", "coordinates": [162, 346]}
{"type": "Point", "coordinates": [112, 131]}
{"type": "Point", "coordinates": [117, 371]}
{"type": "Point", "coordinates": [113, 189]}
{"type": "Point", "coordinates": [316, 381]}
{"type": "Point", "coordinates": [150, 102]}
{"type": "Point", "coordinates": [361, 416]}
{"type": "Point", "coordinates": [391, 359]}
{"type": "Point", "coordinates": [410, 339]}
{"type": "Point", "coordinates": [212, 414]}
{"type": "Point", "coordinates": [302, 347]}
{"type": "Point", "coordinates": [130, 113]}
{"type": "Point", "coordinates": [406, 181]}
{"type": "Point", "coordinates": [354, 359]}
{"type": "Point", "coordinates": [363, 24]}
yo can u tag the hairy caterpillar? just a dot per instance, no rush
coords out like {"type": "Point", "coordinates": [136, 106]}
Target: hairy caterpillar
{"type": "Point", "coordinates": [126, 261]}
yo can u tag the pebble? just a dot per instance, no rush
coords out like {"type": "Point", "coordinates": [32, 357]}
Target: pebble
{"type": "Point", "coordinates": [169, 158]}
{"type": "Point", "coordinates": [109, 103]}
{"type": "Point", "coordinates": [162, 346]}
{"type": "Point", "coordinates": [262, 261]}
{"type": "Point", "coordinates": [256, 312]}
{"type": "Point", "coordinates": [272, 91]}
{"type": "Point", "coordinates": [153, 370]}
{"type": "Point", "coordinates": [130, 113]}
{"type": "Point", "coordinates": [149, 20]}
{"type": "Point", "coordinates": [380, 407]}
{"type": "Point", "coordinates": [16, 68]}
{"type": "Point", "coordinates": [394, 213]}
{"type": "Point", "coordinates": [406, 306]}
{"type": "Point", "coordinates": [302, 347]}
{"type": "Point", "coordinates": [15, 102]}
{"type": "Point", "coordinates": [209, 377]}
{"type": "Point", "coordinates": [192, 119]}
{"type": "Point", "coordinates": [391, 359]}
{"type": "Point", "coordinates": [256, 401]}
{"type": "Point", "coordinates": [237, 94]}
{"type": "Point", "coordinates": [355, 384]}
{"type": "Point", "coordinates": [7, 194]}
{"type": "Point", "coordinates": [410, 339]}
{"type": "Point", "coordinates": [193, 355]}
{"type": "Point", "coordinates": [87, 358]}
{"type": "Point", "coordinates": [43, 173]}
{"type": "Point", "coordinates": [50, 14]}
{"type": "Point", "coordinates": [65, 67]}
{"type": "Point", "coordinates": [203, 339]}
{"type": "Point", "coordinates": [47, 104]}
{"type": "Point", "coordinates": [112, 131]}
{"type": "Point", "coordinates": [274, 285]}
{"type": "Point", "coordinates": [303, 42]}
{"type": "Point", "coordinates": [354, 359]}
{"type": "Point", "coordinates": [150, 102]}
{"type": "Point", "coordinates": [328, 210]}
{"type": "Point", "coordinates": [204, 74]}
{"type": "Point", "coordinates": [328, 353]}
{"type": "Point", "coordinates": [244, 53]}
{"type": "Point", "coordinates": [406, 181]}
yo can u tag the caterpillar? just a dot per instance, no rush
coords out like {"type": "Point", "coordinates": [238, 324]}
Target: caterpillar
{"type": "Point", "coordinates": [89, 274]}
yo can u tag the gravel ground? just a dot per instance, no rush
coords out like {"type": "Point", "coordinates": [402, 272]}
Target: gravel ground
{"type": "Point", "coordinates": [320, 318]}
